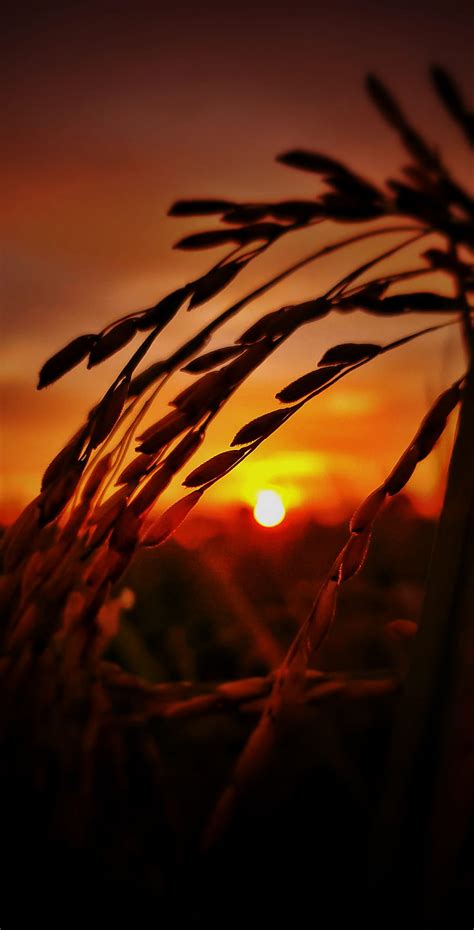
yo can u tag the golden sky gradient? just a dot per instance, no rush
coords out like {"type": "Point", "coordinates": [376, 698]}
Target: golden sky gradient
{"type": "Point", "coordinates": [113, 112]}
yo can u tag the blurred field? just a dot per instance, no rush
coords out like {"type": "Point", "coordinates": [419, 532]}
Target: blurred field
{"type": "Point", "coordinates": [223, 598]}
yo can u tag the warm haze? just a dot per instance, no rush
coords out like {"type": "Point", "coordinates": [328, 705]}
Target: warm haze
{"type": "Point", "coordinates": [118, 113]}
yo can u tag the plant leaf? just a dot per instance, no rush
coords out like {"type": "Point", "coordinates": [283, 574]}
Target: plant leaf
{"type": "Point", "coordinates": [421, 301]}
{"type": "Point", "coordinates": [308, 383]}
{"type": "Point", "coordinates": [340, 208]}
{"type": "Point", "coordinates": [96, 477]}
{"type": "Point", "coordinates": [55, 496]}
{"type": "Point", "coordinates": [434, 423]}
{"type": "Point", "coordinates": [247, 213]}
{"type": "Point", "coordinates": [321, 617]}
{"type": "Point", "coordinates": [450, 95]}
{"type": "Point", "coordinates": [385, 102]}
{"type": "Point", "coordinates": [296, 211]}
{"type": "Point", "coordinates": [349, 353]}
{"type": "Point", "coordinates": [147, 377]}
{"type": "Point", "coordinates": [202, 394]}
{"type": "Point", "coordinates": [112, 341]}
{"type": "Point", "coordinates": [125, 532]}
{"type": "Point", "coordinates": [162, 432]}
{"type": "Point", "coordinates": [212, 359]}
{"type": "Point", "coordinates": [242, 235]}
{"type": "Point", "coordinates": [214, 282]}
{"type": "Point", "coordinates": [164, 311]}
{"type": "Point", "coordinates": [391, 112]}
{"type": "Point", "coordinates": [352, 186]}
{"type": "Point", "coordinates": [135, 469]}
{"type": "Point", "coordinates": [269, 325]}
{"type": "Point", "coordinates": [64, 459]}
{"type": "Point", "coordinates": [355, 554]}
{"type": "Point", "coordinates": [311, 161]}
{"type": "Point", "coordinates": [169, 521]}
{"type": "Point", "coordinates": [151, 490]}
{"type": "Point", "coordinates": [366, 513]}
{"type": "Point", "coordinates": [238, 368]}
{"type": "Point", "coordinates": [200, 207]}
{"type": "Point", "coordinates": [184, 450]}
{"type": "Point", "coordinates": [108, 413]}
{"type": "Point", "coordinates": [214, 468]}
{"type": "Point", "coordinates": [402, 471]}
{"type": "Point", "coordinates": [260, 428]}
{"type": "Point", "coordinates": [207, 240]}
{"type": "Point", "coordinates": [66, 359]}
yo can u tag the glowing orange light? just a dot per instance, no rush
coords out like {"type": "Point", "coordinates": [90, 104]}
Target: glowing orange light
{"type": "Point", "coordinates": [269, 509]}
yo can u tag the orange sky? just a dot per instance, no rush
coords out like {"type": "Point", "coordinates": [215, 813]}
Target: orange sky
{"type": "Point", "coordinates": [113, 112]}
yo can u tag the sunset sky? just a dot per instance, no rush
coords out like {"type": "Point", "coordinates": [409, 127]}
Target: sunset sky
{"type": "Point", "coordinates": [113, 112]}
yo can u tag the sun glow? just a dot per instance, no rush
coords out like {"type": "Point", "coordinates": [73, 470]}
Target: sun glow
{"type": "Point", "coordinates": [269, 509]}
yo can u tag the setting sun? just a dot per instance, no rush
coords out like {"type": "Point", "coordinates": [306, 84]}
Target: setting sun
{"type": "Point", "coordinates": [269, 509]}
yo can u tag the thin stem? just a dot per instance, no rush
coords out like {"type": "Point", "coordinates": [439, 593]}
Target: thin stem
{"type": "Point", "coordinates": [297, 406]}
{"type": "Point", "coordinates": [291, 269]}
{"type": "Point", "coordinates": [340, 287]}
{"type": "Point", "coordinates": [391, 279]}
{"type": "Point", "coordinates": [181, 355]}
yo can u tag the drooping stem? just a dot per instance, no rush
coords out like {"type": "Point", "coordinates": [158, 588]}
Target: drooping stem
{"type": "Point", "coordinates": [428, 797]}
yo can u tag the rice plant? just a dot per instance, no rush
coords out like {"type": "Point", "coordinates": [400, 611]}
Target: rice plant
{"type": "Point", "coordinates": [74, 720]}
